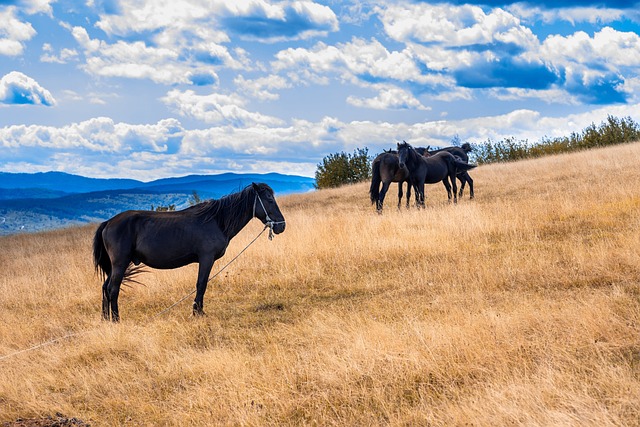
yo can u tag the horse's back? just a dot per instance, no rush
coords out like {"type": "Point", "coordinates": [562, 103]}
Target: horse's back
{"type": "Point", "coordinates": [438, 166]}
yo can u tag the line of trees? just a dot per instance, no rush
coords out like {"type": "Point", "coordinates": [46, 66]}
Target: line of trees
{"type": "Point", "coordinates": [610, 132]}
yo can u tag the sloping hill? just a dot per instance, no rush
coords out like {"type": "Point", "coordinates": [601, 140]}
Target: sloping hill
{"type": "Point", "coordinates": [521, 307]}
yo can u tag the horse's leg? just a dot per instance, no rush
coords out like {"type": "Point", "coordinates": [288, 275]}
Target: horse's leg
{"type": "Point", "coordinates": [470, 181]}
{"type": "Point", "coordinates": [419, 191]}
{"type": "Point", "coordinates": [117, 274]}
{"type": "Point", "coordinates": [408, 193]}
{"type": "Point", "coordinates": [463, 180]}
{"type": "Point", "coordinates": [445, 181]}
{"type": "Point", "coordinates": [454, 184]}
{"type": "Point", "coordinates": [204, 268]}
{"type": "Point", "coordinates": [105, 299]}
{"type": "Point", "coordinates": [400, 194]}
{"type": "Point", "coordinates": [383, 192]}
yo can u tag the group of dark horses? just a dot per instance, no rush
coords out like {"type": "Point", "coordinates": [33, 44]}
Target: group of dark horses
{"type": "Point", "coordinates": [417, 167]}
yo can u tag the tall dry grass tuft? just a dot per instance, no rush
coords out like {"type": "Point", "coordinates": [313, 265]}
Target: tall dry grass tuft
{"type": "Point", "coordinates": [520, 307]}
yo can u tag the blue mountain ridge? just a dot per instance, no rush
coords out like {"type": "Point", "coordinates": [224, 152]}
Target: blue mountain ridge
{"type": "Point", "coordinates": [35, 202]}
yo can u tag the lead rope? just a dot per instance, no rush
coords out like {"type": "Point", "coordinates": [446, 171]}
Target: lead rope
{"type": "Point", "coordinates": [215, 275]}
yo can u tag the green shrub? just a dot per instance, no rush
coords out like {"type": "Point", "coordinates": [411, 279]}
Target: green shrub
{"type": "Point", "coordinates": [342, 168]}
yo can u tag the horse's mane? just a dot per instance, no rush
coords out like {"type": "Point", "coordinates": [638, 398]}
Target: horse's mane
{"type": "Point", "coordinates": [226, 211]}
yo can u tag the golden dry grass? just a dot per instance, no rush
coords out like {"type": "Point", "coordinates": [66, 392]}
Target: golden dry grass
{"type": "Point", "coordinates": [519, 308]}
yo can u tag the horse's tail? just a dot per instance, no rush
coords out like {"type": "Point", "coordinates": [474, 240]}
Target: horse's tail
{"type": "Point", "coordinates": [462, 166]}
{"type": "Point", "coordinates": [101, 259]}
{"type": "Point", "coordinates": [374, 190]}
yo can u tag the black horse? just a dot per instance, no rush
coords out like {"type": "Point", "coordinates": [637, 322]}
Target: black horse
{"type": "Point", "coordinates": [165, 240]}
{"type": "Point", "coordinates": [442, 166]}
{"type": "Point", "coordinates": [386, 168]}
{"type": "Point", "coordinates": [463, 153]}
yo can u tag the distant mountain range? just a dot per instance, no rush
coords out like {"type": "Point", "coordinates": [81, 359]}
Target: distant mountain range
{"type": "Point", "coordinates": [41, 201]}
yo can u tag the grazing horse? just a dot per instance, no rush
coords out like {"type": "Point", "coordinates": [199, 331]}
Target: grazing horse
{"type": "Point", "coordinates": [165, 240]}
{"type": "Point", "coordinates": [386, 168]}
{"type": "Point", "coordinates": [442, 166]}
{"type": "Point", "coordinates": [461, 152]}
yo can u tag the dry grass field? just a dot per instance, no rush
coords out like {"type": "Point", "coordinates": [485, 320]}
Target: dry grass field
{"type": "Point", "coordinates": [521, 307]}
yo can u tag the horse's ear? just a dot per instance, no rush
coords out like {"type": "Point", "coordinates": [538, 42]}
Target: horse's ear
{"type": "Point", "coordinates": [255, 186]}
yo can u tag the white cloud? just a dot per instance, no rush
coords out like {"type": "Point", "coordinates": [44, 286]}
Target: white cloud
{"type": "Point", "coordinates": [454, 25]}
{"type": "Point", "coordinates": [216, 109]}
{"type": "Point", "coordinates": [101, 135]}
{"type": "Point", "coordinates": [18, 88]}
{"type": "Point", "coordinates": [168, 64]}
{"type": "Point", "coordinates": [607, 47]}
{"type": "Point", "coordinates": [257, 19]}
{"type": "Point", "coordinates": [262, 88]}
{"type": "Point", "coordinates": [388, 98]}
{"type": "Point", "coordinates": [573, 15]}
{"type": "Point", "coordinates": [63, 57]}
{"type": "Point", "coordinates": [37, 6]}
{"type": "Point", "coordinates": [361, 62]}
{"type": "Point", "coordinates": [13, 32]}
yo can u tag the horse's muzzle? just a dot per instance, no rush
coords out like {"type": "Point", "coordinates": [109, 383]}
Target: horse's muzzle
{"type": "Point", "coordinates": [279, 227]}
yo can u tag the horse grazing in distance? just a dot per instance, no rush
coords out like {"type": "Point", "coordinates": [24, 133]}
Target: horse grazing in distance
{"type": "Point", "coordinates": [442, 166]}
{"type": "Point", "coordinates": [167, 240]}
{"type": "Point", "coordinates": [386, 169]}
{"type": "Point", "coordinates": [463, 153]}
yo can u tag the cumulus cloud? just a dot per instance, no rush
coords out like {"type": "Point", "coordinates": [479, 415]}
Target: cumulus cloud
{"type": "Point", "coordinates": [255, 19]}
{"type": "Point", "coordinates": [18, 88]}
{"type": "Point", "coordinates": [271, 22]}
{"type": "Point", "coordinates": [365, 63]}
{"type": "Point", "coordinates": [13, 32]}
{"type": "Point", "coordinates": [99, 135]}
{"type": "Point", "coordinates": [388, 98]}
{"type": "Point", "coordinates": [169, 61]}
{"type": "Point", "coordinates": [216, 109]}
{"type": "Point", "coordinates": [454, 25]}
{"type": "Point", "coordinates": [263, 88]}
{"type": "Point", "coordinates": [63, 57]}
{"type": "Point", "coordinates": [594, 68]}
{"type": "Point", "coordinates": [184, 42]}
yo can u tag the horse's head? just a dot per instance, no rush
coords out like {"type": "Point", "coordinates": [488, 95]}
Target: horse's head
{"type": "Point", "coordinates": [404, 151]}
{"type": "Point", "coordinates": [266, 209]}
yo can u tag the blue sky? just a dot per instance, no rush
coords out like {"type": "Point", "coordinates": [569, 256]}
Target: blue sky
{"type": "Point", "coordinates": [154, 88]}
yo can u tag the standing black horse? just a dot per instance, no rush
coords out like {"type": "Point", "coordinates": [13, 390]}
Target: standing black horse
{"type": "Point", "coordinates": [442, 166]}
{"type": "Point", "coordinates": [386, 169]}
{"type": "Point", "coordinates": [463, 153]}
{"type": "Point", "coordinates": [166, 240]}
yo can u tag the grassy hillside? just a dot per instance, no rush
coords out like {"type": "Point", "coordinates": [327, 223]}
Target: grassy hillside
{"type": "Point", "coordinates": [520, 307]}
